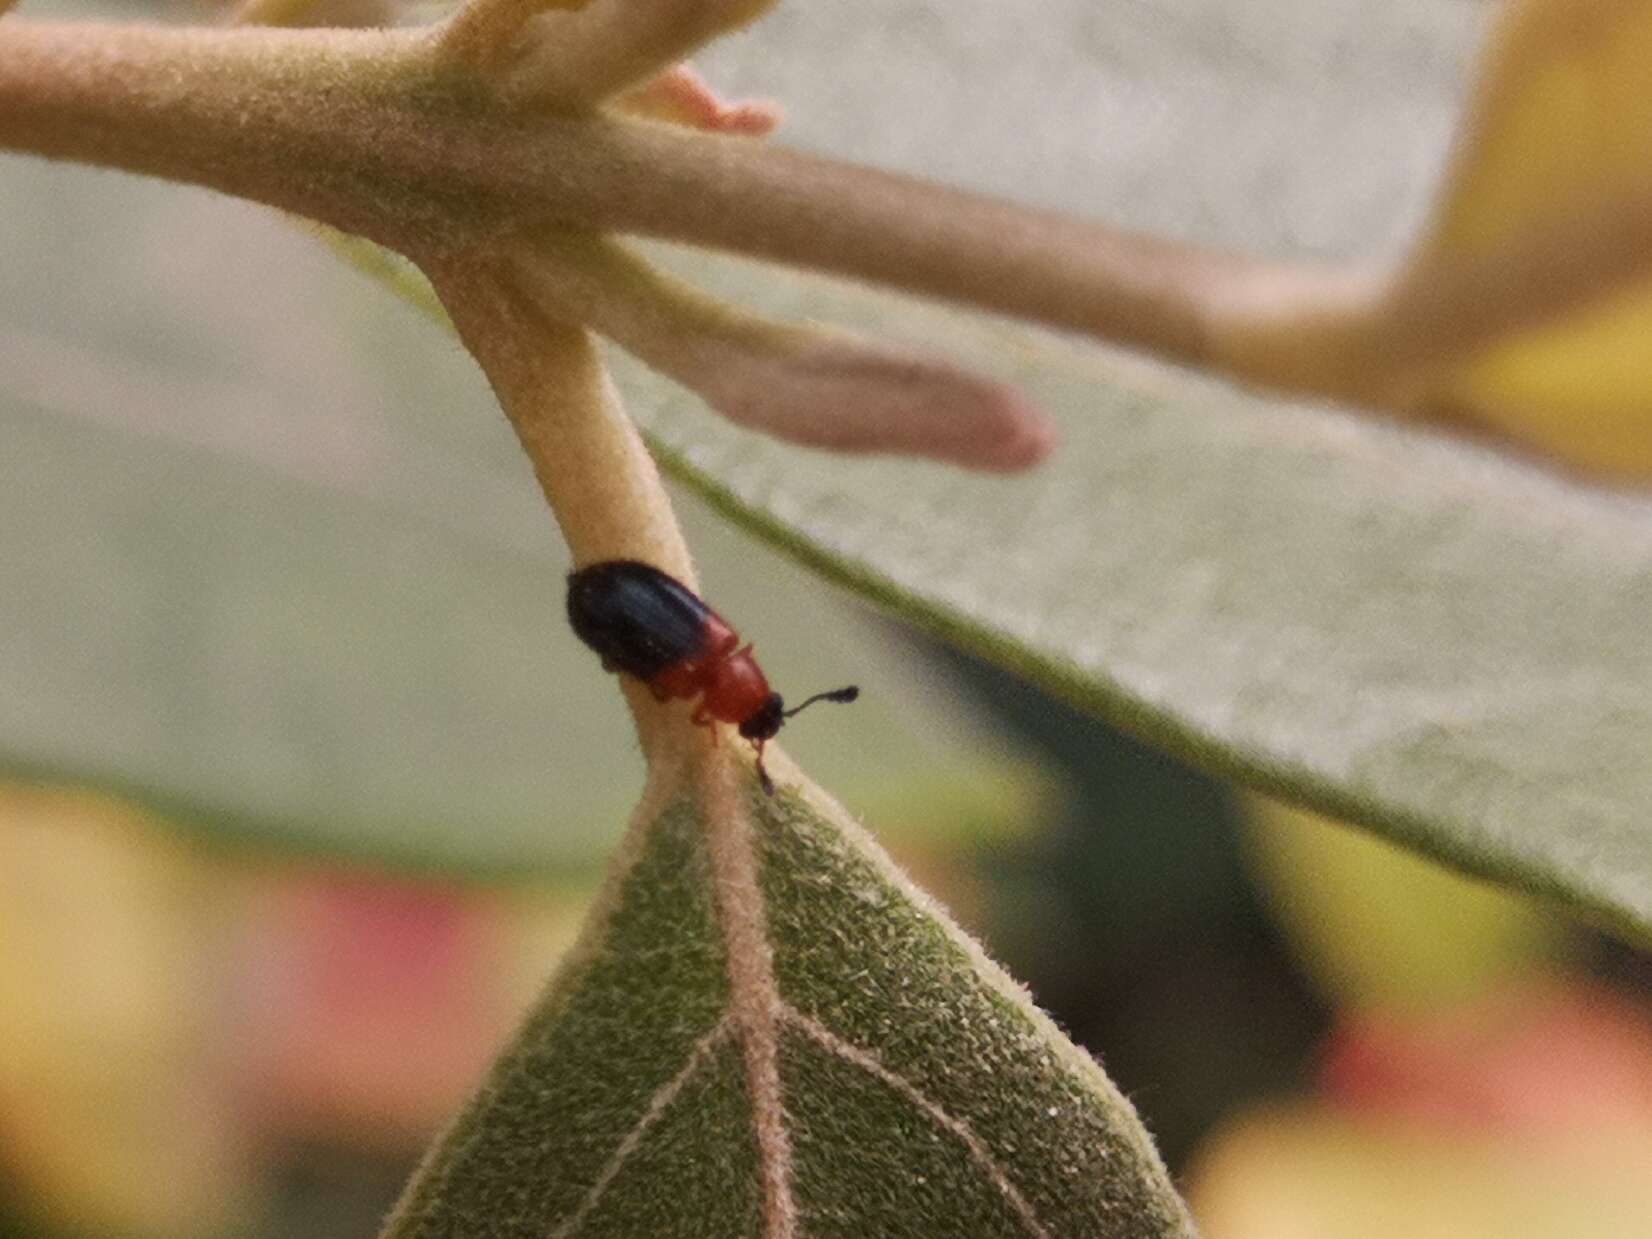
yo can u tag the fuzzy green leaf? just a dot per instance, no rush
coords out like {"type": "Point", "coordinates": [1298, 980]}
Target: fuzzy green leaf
{"type": "Point", "coordinates": [918, 1091]}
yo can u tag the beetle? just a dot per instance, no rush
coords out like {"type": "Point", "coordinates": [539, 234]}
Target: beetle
{"type": "Point", "coordinates": [648, 624]}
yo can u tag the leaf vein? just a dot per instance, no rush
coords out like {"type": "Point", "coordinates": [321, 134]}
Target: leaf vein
{"type": "Point", "coordinates": [754, 997]}
{"type": "Point", "coordinates": [657, 1105]}
{"type": "Point", "coordinates": [960, 1130]}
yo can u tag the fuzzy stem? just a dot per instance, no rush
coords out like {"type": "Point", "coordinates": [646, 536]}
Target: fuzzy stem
{"type": "Point", "coordinates": [591, 463]}
{"type": "Point", "coordinates": [886, 228]}
{"type": "Point", "coordinates": [482, 31]}
{"type": "Point", "coordinates": [361, 130]}
{"type": "Point", "coordinates": [589, 459]}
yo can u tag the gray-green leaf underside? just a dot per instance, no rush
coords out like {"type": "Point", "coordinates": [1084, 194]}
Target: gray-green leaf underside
{"type": "Point", "coordinates": [1419, 635]}
{"type": "Point", "coordinates": [1414, 633]}
{"type": "Point", "coordinates": [1425, 637]}
{"type": "Point", "coordinates": [919, 1093]}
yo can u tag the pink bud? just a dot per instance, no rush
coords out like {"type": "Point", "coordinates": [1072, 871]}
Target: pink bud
{"type": "Point", "coordinates": [805, 384]}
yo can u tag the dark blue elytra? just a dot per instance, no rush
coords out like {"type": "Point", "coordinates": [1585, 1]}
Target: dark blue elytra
{"type": "Point", "coordinates": [639, 620]}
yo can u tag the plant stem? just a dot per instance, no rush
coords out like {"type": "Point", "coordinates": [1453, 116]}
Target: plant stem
{"type": "Point", "coordinates": [596, 473]}
{"type": "Point", "coordinates": [372, 133]}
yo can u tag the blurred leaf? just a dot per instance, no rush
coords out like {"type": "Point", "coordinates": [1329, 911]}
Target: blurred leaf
{"type": "Point", "coordinates": [1522, 1114]}
{"type": "Point", "coordinates": [275, 564]}
{"type": "Point", "coordinates": [917, 1091]}
{"type": "Point", "coordinates": [1377, 925]}
{"type": "Point", "coordinates": [107, 1124]}
{"type": "Point", "coordinates": [1555, 164]}
{"type": "Point", "coordinates": [129, 964]}
{"type": "Point", "coordinates": [1413, 634]}
{"type": "Point", "coordinates": [1525, 308]}
{"type": "Point", "coordinates": [1544, 1056]}
{"type": "Point", "coordinates": [1307, 1171]}
{"type": "Point", "coordinates": [330, 969]}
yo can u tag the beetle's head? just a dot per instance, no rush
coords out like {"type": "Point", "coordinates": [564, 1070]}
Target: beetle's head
{"type": "Point", "coordinates": [763, 722]}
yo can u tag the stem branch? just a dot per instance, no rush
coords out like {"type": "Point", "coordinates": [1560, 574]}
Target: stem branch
{"type": "Point", "coordinates": [366, 131]}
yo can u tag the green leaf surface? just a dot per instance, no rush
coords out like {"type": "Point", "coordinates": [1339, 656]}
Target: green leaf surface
{"type": "Point", "coordinates": [915, 1090]}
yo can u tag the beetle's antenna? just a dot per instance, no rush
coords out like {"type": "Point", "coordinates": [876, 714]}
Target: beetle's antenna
{"type": "Point", "coordinates": [837, 694]}
{"type": "Point", "coordinates": [843, 695]}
